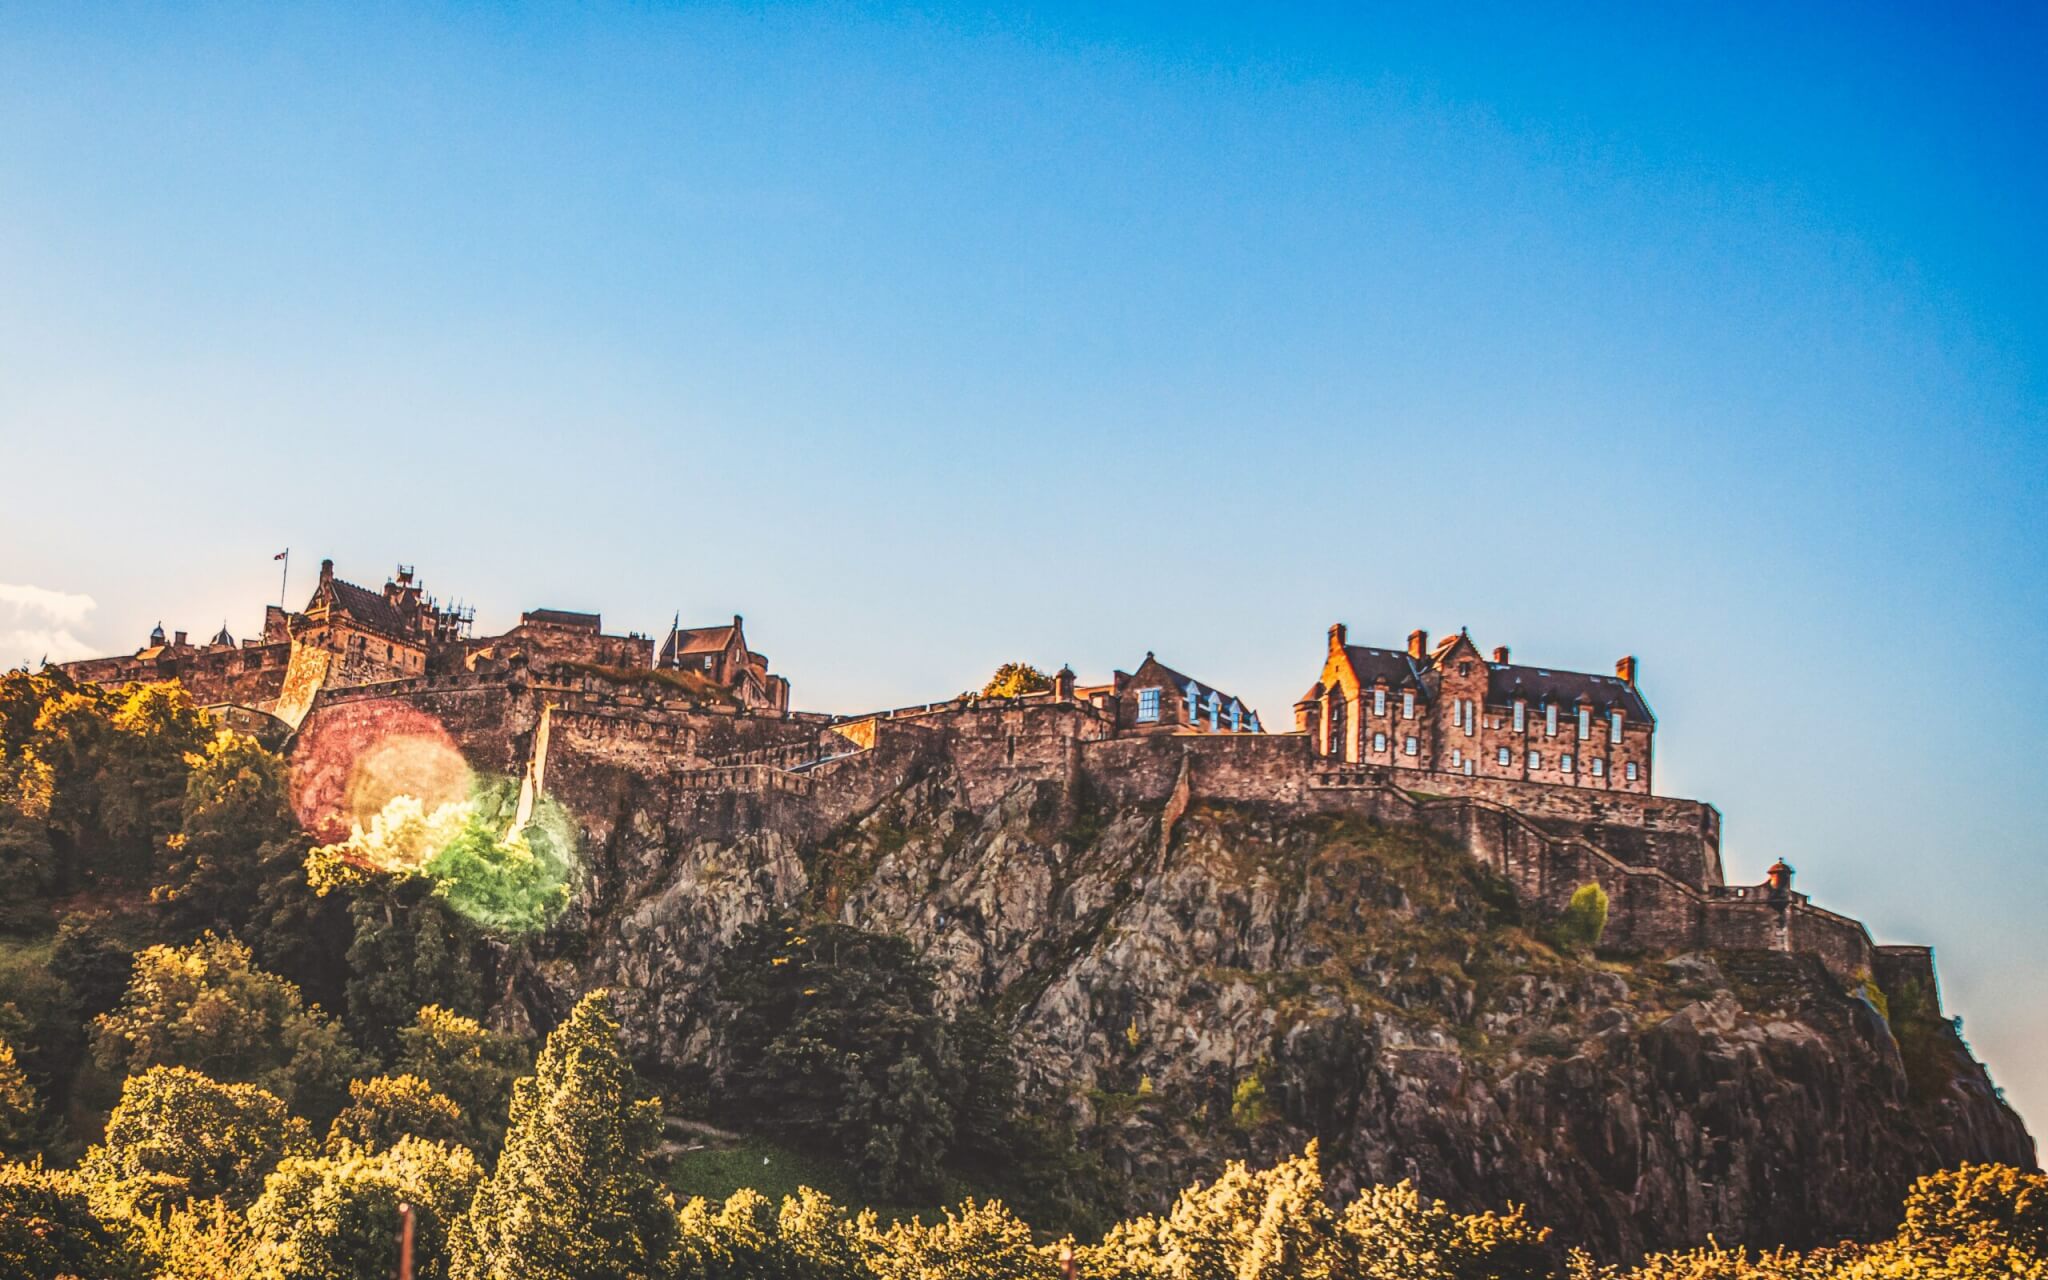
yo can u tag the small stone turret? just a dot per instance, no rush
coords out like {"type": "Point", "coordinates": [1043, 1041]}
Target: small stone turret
{"type": "Point", "coordinates": [1063, 684]}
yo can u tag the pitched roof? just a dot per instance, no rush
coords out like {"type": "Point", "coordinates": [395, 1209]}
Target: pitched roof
{"type": "Point", "coordinates": [688, 640]}
{"type": "Point", "coordinates": [369, 608]}
{"type": "Point", "coordinates": [562, 618]}
{"type": "Point", "coordinates": [1392, 665]}
{"type": "Point", "coordinates": [1505, 682]}
{"type": "Point", "coordinates": [1203, 692]}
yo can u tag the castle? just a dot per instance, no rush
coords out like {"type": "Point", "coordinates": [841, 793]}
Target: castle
{"type": "Point", "coordinates": [1543, 775]}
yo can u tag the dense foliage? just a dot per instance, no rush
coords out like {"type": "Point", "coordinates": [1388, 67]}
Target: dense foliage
{"type": "Point", "coordinates": [1014, 680]}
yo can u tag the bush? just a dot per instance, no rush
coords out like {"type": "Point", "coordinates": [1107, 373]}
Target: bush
{"type": "Point", "coordinates": [1585, 918]}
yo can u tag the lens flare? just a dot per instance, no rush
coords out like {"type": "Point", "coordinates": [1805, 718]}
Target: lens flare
{"type": "Point", "coordinates": [385, 787]}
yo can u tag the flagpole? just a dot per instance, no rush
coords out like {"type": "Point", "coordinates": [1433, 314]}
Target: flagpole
{"type": "Point", "coordinates": [285, 581]}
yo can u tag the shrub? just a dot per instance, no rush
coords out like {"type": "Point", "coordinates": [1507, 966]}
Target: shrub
{"type": "Point", "coordinates": [1585, 918]}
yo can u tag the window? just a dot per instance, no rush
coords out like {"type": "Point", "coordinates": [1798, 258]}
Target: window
{"type": "Point", "coordinates": [1614, 727]}
{"type": "Point", "coordinates": [1408, 747]}
{"type": "Point", "coordinates": [1550, 719]}
{"type": "Point", "coordinates": [1585, 723]}
{"type": "Point", "coordinates": [1468, 768]}
{"type": "Point", "coordinates": [1506, 758]}
{"type": "Point", "coordinates": [1379, 702]}
{"type": "Point", "coordinates": [1457, 760]}
{"type": "Point", "coordinates": [1599, 767]}
{"type": "Point", "coordinates": [1236, 716]}
{"type": "Point", "coordinates": [1407, 704]}
{"type": "Point", "coordinates": [1252, 721]}
{"type": "Point", "coordinates": [1194, 713]}
{"type": "Point", "coordinates": [1521, 715]}
{"type": "Point", "coordinates": [1148, 706]}
{"type": "Point", "coordinates": [1215, 705]}
{"type": "Point", "coordinates": [1379, 742]}
{"type": "Point", "coordinates": [1464, 668]}
{"type": "Point", "coordinates": [1631, 771]}
{"type": "Point", "coordinates": [707, 662]}
{"type": "Point", "coordinates": [1535, 760]}
{"type": "Point", "coordinates": [1564, 763]}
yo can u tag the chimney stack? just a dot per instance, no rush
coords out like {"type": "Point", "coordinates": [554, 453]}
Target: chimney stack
{"type": "Point", "coordinates": [1418, 643]}
{"type": "Point", "coordinates": [1626, 669]}
{"type": "Point", "coordinates": [178, 638]}
{"type": "Point", "coordinates": [326, 572]}
{"type": "Point", "coordinates": [1500, 654]}
{"type": "Point", "coordinates": [1337, 634]}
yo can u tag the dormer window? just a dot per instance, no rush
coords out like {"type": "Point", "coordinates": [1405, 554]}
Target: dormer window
{"type": "Point", "coordinates": [1148, 706]}
{"type": "Point", "coordinates": [1236, 715]}
{"type": "Point", "coordinates": [1194, 706]}
{"type": "Point", "coordinates": [1215, 705]}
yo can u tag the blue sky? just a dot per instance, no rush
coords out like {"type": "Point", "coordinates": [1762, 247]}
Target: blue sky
{"type": "Point", "coordinates": [932, 338]}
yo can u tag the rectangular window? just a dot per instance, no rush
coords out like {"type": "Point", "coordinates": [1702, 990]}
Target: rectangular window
{"type": "Point", "coordinates": [1379, 742]}
{"type": "Point", "coordinates": [1505, 757]}
{"type": "Point", "coordinates": [1409, 746]}
{"type": "Point", "coordinates": [1585, 723]}
{"type": "Point", "coordinates": [1614, 727]}
{"type": "Point", "coordinates": [1457, 758]}
{"type": "Point", "coordinates": [1407, 704]}
{"type": "Point", "coordinates": [1631, 771]}
{"type": "Point", "coordinates": [1379, 702]}
{"type": "Point", "coordinates": [1535, 760]}
{"type": "Point", "coordinates": [1468, 768]}
{"type": "Point", "coordinates": [1148, 705]}
{"type": "Point", "coordinates": [1564, 763]}
{"type": "Point", "coordinates": [1550, 719]}
{"type": "Point", "coordinates": [1599, 767]}
{"type": "Point", "coordinates": [1521, 715]}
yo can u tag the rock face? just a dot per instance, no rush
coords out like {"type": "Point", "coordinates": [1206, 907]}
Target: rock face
{"type": "Point", "coordinates": [1195, 981]}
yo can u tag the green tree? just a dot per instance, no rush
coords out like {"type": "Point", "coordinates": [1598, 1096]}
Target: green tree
{"type": "Point", "coordinates": [21, 1116]}
{"type": "Point", "coordinates": [384, 1109]}
{"type": "Point", "coordinates": [177, 1135]}
{"type": "Point", "coordinates": [832, 1038]}
{"type": "Point", "coordinates": [409, 950]}
{"type": "Point", "coordinates": [48, 1229]}
{"type": "Point", "coordinates": [337, 1218]}
{"type": "Point", "coordinates": [1397, 1234]}
{"type": "Point", "coordinates": [572, 1195]}
{"type": "Point", "coordinates": [981, 1241]}
{"type": "Point", "coordinates": [208, 1007]}
{"type": "Point", "coordinates": [200, 1240]}
{"type": "Point", "coordinates": [1015, 679]}
{"type": "Point", "coordinates": [1585, 918]}
{"type": "Point", "coordinates": [472, 1066]}
{"type": "Point", "coordinates": [1978, 1204]}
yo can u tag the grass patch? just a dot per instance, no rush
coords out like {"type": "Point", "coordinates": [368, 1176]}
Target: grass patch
{"type": "Point", "coordinates": [775, 1171]}
{"type": "Point", "coordinates": [690, 682]}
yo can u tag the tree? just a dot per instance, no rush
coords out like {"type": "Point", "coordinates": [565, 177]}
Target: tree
{"type": "Point", "coordinates": [1978, 1204]}
{"type": "Point", "coordinates": [385, 1109]}
{"type": "Point", "coordinates": [208, 1007]}
{"type": "Point", "coordinates": [48, 1229]}
{"type": "Point", "coordinates": [982, 1241]}
{"type": "Point", "coordinates": [470, 1065]}
{"type": "Point", "coordinates": [832, 1038]}
{"type": "Point", "coordinates": [177, 1135]}
{"type": "Point", "coordinates": [1015, 679]}
{"type": "Point", "coordinates": [572, 1196]}
{"type": "Point", "coordinates": [21, 1124]}
{"type": "Point", "coordinates": [201, 1240]}
{"type": "Point", "coordinates": [409, 949]}
{"type": "Point", "coordinates": [337, 1218]}
{"type": "Point", "coordinates": [1585, 918]}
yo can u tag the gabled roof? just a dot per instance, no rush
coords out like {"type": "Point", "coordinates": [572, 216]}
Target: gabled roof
{"type": "Point", "coordinates": [683, 641]}
{"type": "Point", "coordinates": [1392, 665]}
{"type": "Point", "coordinates": [1203, 692]}
{"type": "Point", "coordinates": [562, 618]}
{"type": "Point", "coordinates": [1506, 682]}
{"type": "Point", "coordinates": [366, 607]}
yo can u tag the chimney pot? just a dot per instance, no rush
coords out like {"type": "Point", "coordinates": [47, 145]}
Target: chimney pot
{"type": "Point", "coordinates": [1418, 643]}
{"type": "Point", "coordinates": [1626, 669]}
{"type": "Point", "coordinates": [1500, 654]}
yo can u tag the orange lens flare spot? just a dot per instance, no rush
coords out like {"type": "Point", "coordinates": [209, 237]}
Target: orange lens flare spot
{"type": "Point", "coordinates": [360, 756]}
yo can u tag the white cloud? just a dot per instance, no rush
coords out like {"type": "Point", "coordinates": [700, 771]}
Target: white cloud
{"type": "Point", "coordinates": [38, 623]}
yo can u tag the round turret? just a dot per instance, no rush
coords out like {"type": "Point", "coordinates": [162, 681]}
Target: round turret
{"type": "Point", "coordinates": [156, 637]}
{"type": "Point", "coordinates": [1780, 876]}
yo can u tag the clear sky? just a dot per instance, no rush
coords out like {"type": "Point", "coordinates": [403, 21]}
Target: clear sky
{"type": "Point", "coordinates": [929, 339]}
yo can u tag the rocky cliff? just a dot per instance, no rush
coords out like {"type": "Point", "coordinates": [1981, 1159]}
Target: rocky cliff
{"type": "Point", "coordinates": [1189, 980]}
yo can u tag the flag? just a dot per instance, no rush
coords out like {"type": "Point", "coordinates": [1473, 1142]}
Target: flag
{"type": "Point", "coordinates": [280, 555]}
